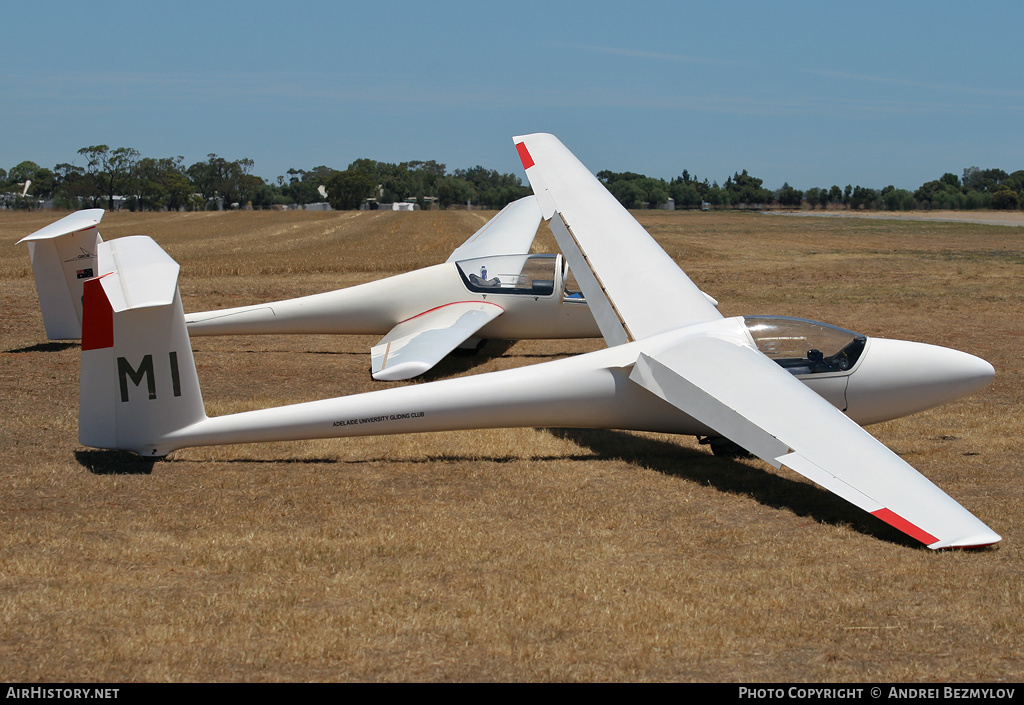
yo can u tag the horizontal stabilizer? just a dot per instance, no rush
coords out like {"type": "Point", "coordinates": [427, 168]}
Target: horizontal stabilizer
{"type": "Point", "coordinates": [787, 424]}
{"type": "Point", "coordinates": [136, 273]}
{"type": "Point", "coordinates": [510, 232]}
{"type": "Point", "coordinates": [79, 220]}
{"type": "Point", "coordinates": [417, 344]}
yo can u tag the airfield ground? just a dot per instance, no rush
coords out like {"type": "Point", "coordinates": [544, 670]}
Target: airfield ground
{"type": "Point", "coordinates": [523, 554]}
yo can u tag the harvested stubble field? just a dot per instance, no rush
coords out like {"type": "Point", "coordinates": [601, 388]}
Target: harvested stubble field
{"type": "Point", "coordinates": [522, 554]}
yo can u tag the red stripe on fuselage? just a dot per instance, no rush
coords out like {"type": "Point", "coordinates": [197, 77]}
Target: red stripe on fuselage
{"type": "Point", "coordinates": [97, 317]}
{"type": "Point", "coordinates": [524, 155]}
{"type": "Point", "coordinates": [893, 519]}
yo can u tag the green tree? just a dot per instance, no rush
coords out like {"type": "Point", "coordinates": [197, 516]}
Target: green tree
{"type": "Point", "coordinates": [229, 181]}
{"type": "Point", "coordinates": [685, 194]}
{"type": "Point", "coordinates": [346, 190]}
{"type": "Point", "coordinates": [161, 184]}
{"type": "Point", "coordinates": [112, 170]}
{"type": "Point", "coordinates": [987, 180]}
{"type": "Point", "coordinates": [863, 197]}
{"type": "Point", "coordinates": [895, 199]}
{"type": "Point", "coordinates": [75, 187]}
{"type": "Point", "coordinates": [304, 186]}
{"type": "Point", "coordinates": [789, 197]}
{"type": "Point", "coordinates": [1005, 199]}
{"type": "Point", "coordinates": [452, 189]}
{"type": "Point", "coordinates": [746, 189]}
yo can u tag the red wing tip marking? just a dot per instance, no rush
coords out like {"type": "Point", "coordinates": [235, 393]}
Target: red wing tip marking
{"type": "Point", "coordinates": [895, 520]}
{"type": "Point", "coordinates": [524, 155]}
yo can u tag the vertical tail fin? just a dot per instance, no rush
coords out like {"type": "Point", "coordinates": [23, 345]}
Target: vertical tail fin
{"type": "Point", "coordinates": [138, 377]}
{"type": "Point", "coordinates": [63, 257]}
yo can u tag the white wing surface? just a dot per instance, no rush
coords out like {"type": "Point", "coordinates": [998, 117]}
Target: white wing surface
{"type": "Point", "coordinates": [749, 399]}
{"type": "Point", "coordinates": [711, 371]}
{"type": "Point", "coordinates": [633, 287]}
{"type": "Point", "coordinates": [417, 344]}
{"type": "Point", "coordinates": [511, 232]}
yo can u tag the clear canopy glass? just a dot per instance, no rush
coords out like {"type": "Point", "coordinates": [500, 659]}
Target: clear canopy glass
{"type": "Point", "coordinates": [532, 275]}
{"type": "Point", "coordinates": [803, 346]}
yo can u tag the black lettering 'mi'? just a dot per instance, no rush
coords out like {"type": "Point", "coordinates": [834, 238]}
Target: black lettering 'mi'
{"type": "Point", "coordinates": [126, 372]}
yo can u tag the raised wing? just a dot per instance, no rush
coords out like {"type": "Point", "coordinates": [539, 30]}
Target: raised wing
{"type": "Point", "coordinates": [417, 344]}
{"type": "Point", "coordinates": [749, 399]}
{"type": "Point", "coordinates": [511, 232]}
{"type": "Point", "coordinates": [632, 286]}
{"type": "Point", "coordinates": [712, 371]}
{"type": "Point", "coordinates": [63, 257]}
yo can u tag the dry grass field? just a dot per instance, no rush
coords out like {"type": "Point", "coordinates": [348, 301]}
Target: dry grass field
{"type": "Point", "coordinates": [508, 555]}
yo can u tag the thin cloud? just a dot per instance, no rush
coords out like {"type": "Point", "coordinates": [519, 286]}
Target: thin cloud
{"type": "Point", "coordinates": [661, 56]}
{"type": "Point", "coordinates": [915, 84]}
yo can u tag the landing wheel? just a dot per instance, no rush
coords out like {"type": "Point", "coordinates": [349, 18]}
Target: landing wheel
{"type": "Point", "coordinates": [724, 448]}
{"type": "Point", "coordinates": [470, 351]}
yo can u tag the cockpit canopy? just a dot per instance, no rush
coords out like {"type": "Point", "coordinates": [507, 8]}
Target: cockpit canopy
{"type": "Point", "coordinates": [533, 275]}
{"type": "Point", "coordinates": [803, 346]}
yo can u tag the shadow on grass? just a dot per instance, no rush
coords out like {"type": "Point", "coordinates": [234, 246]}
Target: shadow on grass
{"type": "Point", "coordinates": [114, 462]}
{"type": "Point", "coordinates": [45, 347]}
{"type": "Point", "coordinates": [455, 363]}
{"type": "Point", "coordinates": [460, 361]}
{"type": "Point", "coordinates": [255, 461]}
{"type": "Point", "coordinates": [725, 475]}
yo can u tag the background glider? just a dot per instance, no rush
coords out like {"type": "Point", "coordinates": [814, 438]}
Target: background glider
{"type": "Point", "coordinates": [489, 288]}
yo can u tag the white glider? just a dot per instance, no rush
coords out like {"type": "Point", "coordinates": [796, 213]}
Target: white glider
{"type": "Point", "coordinates": [489, 288]}
{"type": "Point", "coordinates": [778, 387]}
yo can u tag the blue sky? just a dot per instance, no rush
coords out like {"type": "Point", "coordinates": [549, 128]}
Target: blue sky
{"type": "Point", "coordinates": [813, 93]}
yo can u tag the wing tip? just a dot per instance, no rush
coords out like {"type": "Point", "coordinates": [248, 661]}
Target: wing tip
{"type": "Point", "coordinates": [980, 538]}
{"type": "Point", "coordinates": [401, 371]}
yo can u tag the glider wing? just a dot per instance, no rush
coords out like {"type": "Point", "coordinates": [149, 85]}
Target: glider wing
{"type": "Point", "coordinates": [511, 232]}
{"type": "Point", "coordinates": [749, 399]}
{"type": "Point", "coordinates": [633, 287]}
{"type": "Point", "coordinates": [418, 343]}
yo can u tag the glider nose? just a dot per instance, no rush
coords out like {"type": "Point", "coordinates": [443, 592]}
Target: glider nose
{"type": "Point", "coordinates": [897, 378]}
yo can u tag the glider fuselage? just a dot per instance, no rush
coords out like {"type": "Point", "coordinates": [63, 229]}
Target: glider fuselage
{"type": "Point", "coordinates": [374, 308]}
{"type": "Point", "coordinates": [588, 391]}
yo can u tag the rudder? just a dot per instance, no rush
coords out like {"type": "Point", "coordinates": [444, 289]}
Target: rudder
{"type": "Point", "coordinates": [63, 257]}
{"type": "Point", "coordinates": [138, 377]}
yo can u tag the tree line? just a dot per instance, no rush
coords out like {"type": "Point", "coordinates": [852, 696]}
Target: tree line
{"type": "Point", "coordinates": [977, 188]}
{"type": "Point", "coordinates": [122, 177]}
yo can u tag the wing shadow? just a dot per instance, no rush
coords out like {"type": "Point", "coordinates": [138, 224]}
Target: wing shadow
{"type": "Point", "coordinates": [45, 347]}
{"type": "Point", "coordinates": [801, 498]}
{"type": "Point", "coordinates": [460, 361]}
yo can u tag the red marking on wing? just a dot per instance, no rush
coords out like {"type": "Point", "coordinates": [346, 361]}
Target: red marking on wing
{"type": "Point", "coordinates": [452, 303]}
{"type": "Point", "coordinates": [893, 519]}
{"type": "Point", "coordinates": [524, 155]}
{"type": "Point", "coordinates": [97, 317]}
